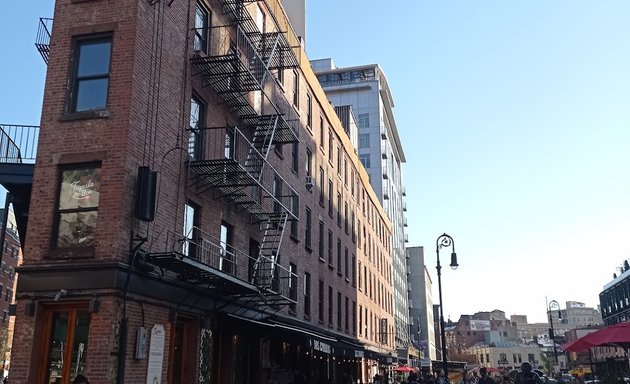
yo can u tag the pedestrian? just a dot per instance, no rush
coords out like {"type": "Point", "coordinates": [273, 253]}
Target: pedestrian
{"type": "Point", "coordinates": [527, 375]}
{"type": "Point", "coordinates": [485, 379]}
{"type": "Point", "coordinates": [80, 379]}
{"type": "Point", "coordinates": [466, 378]}
{"type": "Point", "coordinates": [506, 380]}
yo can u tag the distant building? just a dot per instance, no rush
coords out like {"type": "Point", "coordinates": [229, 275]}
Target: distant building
{"type": "Point", "coordinates": [11, 258]}
{"type": "Point", "coordinates": [422, 331]}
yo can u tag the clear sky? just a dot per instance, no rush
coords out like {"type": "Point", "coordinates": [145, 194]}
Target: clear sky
{"type": "Point", "coordinates": [515, 122]}
{"type": "Point", "coordinates": [514, 116]}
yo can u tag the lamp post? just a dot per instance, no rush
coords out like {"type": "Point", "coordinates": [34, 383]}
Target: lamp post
{"type": "Point", "coordinates": [553, 305]}
{"type": "Point", "coordinates": [444, 241]}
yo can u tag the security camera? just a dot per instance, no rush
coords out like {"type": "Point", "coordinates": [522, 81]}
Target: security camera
{"type": "Point", "coordinates": [60, 294]}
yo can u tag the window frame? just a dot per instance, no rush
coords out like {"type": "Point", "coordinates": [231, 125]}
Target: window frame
{"type": "Point", "coordinates": [76, 250]}
{"type": "Point", "coordinates": [202, 36]}
{"type": "Point", "coordinates": [73, 96]}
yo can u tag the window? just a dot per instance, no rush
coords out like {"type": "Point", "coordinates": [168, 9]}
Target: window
{"type": "Point", "coordinates": [321, 240]}
{"type": "Point", "coordinates": [361, 320]}
{"type": "Point", "coordinates": [339, 258]}
{"type": "Point", "coordinates": [339, 310]}
{"type": "Point", "coordinates": [354, 317]}
{"type": "Point", "coordinates": [309, 163]}
{"type": "Point", "coordinates": [90, 82]}
{"type": "Point", "coordinates": [346, 263]}
{"type": "Point", "coordinates": [347, 313]}
{"type": "Point", "coordinates": [66, 339]}
{"type": "Point", "coordinates": [330, 197]}
{"type": "Point", "coordinates": [330, 248]}
{"type": "Point", "coordinates": [321, 301]}
{"type": "Point", "coordinates": [330, 146]}
{"type": "Point", "coordinates": [197, 118]}
{"type": "Point", "coordinates": [226, 234]}
{"type": "Point", "coordinates": [330, 305]}
{"type": "Point", "coordinates": [296, 89]}
{"type": "Point", "coordinates": [202, 29]}
{"type": "Point", "coordinates": [339, 209]}
{"type": "Point", "coordinates": [309, 110]}
{"type": "Point", "coordinates": [363, 120]}
{"type": "Point", "coordinates": [293, 286]}
{"type": "Point", "coordinates": [191, 221]}
{"type": "Point", "coordinates": [307, 234]}
{"type": "Point", "coordinates": [295, 209]}
{"type": "Point", "coordinates": [365, 160]}
{"type": "Point", "coordinates": [339, 158]}
{"type": "Point", "coordinates": [321, 186]}
{"type": "Point", "coordinates": [354, 270]}
{"type": "Point", "coordinates": [364, 140]}
{"type": "Point", "coordinates": [345, 217]}
{"type": "Point", "coordinates": [307, 294]}
{"type": "Point", "coordinates": [294, 157]}
{"type": "Point", "coordinates": [79, 191]}
{"type": "Point", "coordinates": [321, 133]}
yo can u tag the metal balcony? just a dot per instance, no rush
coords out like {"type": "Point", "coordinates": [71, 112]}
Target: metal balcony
{"type": "Point", "coordinates": [42, 41]}
{"type": "Point", "coordinates": [200, 260]}
{"type": "Point", "coordinates": [18, 147]}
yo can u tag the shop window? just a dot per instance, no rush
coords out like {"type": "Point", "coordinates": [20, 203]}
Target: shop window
{"type": "Point", "coordinates": [66, 335]}
{"type": "Point", "coordinates": [78, 199]}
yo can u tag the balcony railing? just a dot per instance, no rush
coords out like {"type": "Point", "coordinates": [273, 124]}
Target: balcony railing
{"type": "Point", "coordinates": [206, 262]}
{"type": "Point", "coordinates": [18, 143]}
{"type": "Point", "coordinates": [42, 41]}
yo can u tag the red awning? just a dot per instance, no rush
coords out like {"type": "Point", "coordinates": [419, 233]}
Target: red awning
{"type": "Point", "coordinates": [618, 334]}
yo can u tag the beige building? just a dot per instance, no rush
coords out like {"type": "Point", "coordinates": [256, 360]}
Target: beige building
{"type": "Point", "coordinates": [510, 355]}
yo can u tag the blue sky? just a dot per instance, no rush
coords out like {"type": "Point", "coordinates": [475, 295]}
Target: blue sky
{"type": "Point", "coordinates": [514, 121]}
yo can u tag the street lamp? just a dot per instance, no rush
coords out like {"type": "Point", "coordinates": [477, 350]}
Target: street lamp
{"type": "Point", "coordinates": [444, 241]}
{"type": "Point", "coordinates": [553, 305]}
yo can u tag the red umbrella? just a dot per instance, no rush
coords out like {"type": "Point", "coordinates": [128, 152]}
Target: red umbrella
{"type": "Point", "coordinates": [404, 368]}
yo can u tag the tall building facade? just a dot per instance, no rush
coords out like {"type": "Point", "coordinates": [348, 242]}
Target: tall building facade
{"type": "Point", "coordinates": [420, 286]}
{"type": "Point", "coordinates": [614, 299]}
{"type": "Point", "coordinates": [196, 211]}
{"type": "Point", "coordinates": [380, 150]}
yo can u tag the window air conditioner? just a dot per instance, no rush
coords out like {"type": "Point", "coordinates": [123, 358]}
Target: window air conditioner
{"type": "Point", "coordinates": [310, 182]}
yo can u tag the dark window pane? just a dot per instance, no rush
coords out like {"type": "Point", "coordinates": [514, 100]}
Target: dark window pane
{"type": "Point", "coordinates": [76, 229]}
{"type": "Point", "coordinates": [94, 58]}
{"type": "Point", "coordinates": [91, 94]}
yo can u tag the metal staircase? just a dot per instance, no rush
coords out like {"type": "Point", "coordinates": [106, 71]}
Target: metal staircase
{"type": "Point", "coordinates": [235, 167]}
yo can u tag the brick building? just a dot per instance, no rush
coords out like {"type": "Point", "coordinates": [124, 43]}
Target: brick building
{"type": "Point", "coordinates": [197, 212]}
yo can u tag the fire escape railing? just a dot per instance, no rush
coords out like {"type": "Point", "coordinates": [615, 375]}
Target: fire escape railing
{"type": "Point", "coordinates": [199, 259]}
{"type": "Point", "coordinates": [234, 164]}
{"type": "Point", "coordinates": [42, 40]}
{"type": "Point", "coordinates": [18, 143]}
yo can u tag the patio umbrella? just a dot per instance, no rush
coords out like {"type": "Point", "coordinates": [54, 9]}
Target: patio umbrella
{"type": "Point", "coordinates": [404, 368]}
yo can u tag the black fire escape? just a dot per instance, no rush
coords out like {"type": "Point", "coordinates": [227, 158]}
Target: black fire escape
{"type": "Point", "coordinates": [233, 164]}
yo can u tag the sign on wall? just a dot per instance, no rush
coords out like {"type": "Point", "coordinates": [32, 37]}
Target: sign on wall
{"type": "Point", "coordinates": [156, 355]}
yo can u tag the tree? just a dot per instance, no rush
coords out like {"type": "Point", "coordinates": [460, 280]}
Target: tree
{"type": "Point", "coordinates": [547, 361]}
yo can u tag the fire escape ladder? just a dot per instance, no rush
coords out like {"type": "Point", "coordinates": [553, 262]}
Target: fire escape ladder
{"type": "Point", "coordinates": [269, 256]}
